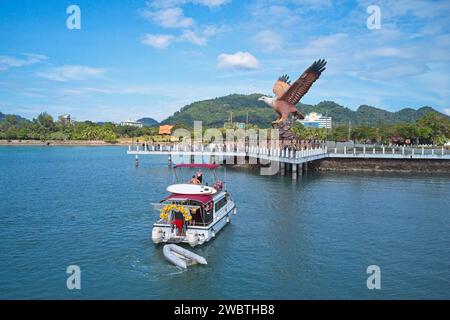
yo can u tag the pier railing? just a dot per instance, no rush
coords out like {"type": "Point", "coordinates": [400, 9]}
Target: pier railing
{"type": "Point", "coordinates": [290, 155]}
{"type": "Point", "coordinates": [389, 152]}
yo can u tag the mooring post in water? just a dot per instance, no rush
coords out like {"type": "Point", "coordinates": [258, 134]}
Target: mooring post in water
{"type": "Point", "coordinates": [169, 160]}
{"type": "Point", "coordinates": [282, 168]}
{"type": "Point", "coordinates": [294, 171]}
{"type": "Point", "coordinates": [136, 161]}
{"type": "Point", "coordinates": [306, 167]}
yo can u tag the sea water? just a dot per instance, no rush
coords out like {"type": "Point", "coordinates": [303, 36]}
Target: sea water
{"type": "Point", "coordinates": [313, 238]}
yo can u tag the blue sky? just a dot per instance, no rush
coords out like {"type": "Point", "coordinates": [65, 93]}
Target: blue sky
{"type": "Point", "coordinates": [139, 58]}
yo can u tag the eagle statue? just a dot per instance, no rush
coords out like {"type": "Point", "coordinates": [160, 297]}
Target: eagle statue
{"type": "Point", "coordinates": [287, 95]}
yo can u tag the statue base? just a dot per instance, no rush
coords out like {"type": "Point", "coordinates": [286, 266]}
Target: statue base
{"type": "Point", "coordinates": [284, 128]}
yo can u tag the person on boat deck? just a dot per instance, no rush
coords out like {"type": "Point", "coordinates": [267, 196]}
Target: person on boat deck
{"type": "Point", "coordinates": [200, 176]}
{"type": "Point", "coordinates": [194, 180]}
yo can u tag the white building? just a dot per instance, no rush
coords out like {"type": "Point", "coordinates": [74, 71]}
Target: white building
{"type": "Point", "coordinates": [132, 123]}
{"type": "Point", "coordinates": [316, 120]}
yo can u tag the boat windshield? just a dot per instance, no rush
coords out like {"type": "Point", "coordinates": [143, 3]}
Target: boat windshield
{"type": "Point", "coordinates": [197, 174]}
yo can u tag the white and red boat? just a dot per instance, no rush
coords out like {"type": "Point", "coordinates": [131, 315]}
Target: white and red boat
{"type": "Point", "coordinates": [193, 213]}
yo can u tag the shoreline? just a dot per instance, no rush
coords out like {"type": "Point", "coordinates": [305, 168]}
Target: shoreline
{"type": "Point", "coordinates": [59, 143]}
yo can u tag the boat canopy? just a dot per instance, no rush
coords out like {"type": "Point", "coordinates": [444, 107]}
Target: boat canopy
{"type": "Point", "coordinates": [197, 165]}
{"type": "Point", "coordinates": [203, 198]}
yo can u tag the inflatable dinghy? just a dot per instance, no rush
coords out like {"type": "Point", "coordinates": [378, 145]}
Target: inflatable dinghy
{"type": "Point", "coordinates": [181, 257]}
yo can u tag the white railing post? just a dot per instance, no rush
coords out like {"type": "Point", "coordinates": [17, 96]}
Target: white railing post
{"type": "Point", "coordinates": [432, 152]}
{"type": "Point", "coordinates": [383, 150]}
{"type": "Point", "coordinates": [442, 151]}
{"type": "Point", "coordinates": [345, 149]}
{"type": "Point", "coordinates": [364, 149]}
{"type": "Point", "coordinates": [423, 150]}
{"type": "Point", "coordinates": [403, 150]}
{"type": "Point", "coordinates": [335, 150]}
{"type": "Point", "coordinates": [393, 151]}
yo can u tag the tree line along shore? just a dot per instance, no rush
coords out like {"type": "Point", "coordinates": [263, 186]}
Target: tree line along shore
{"type": "Point", "coordinates": [431, 129]}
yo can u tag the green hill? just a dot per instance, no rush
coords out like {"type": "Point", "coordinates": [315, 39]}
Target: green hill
{"type": "Point", "coordinates": [214, 112]}
{"type": "Point", "coordinates": [148, 122]}
{"type": "Point", "coordinates": [18, 118]}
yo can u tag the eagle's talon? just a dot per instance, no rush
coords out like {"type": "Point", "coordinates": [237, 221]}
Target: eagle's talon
{"type": "Point", "coordinates": [276, 121]}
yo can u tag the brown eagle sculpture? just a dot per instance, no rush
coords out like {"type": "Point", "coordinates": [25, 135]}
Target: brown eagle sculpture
{"type": "Point", "coordinates": [287, 95]}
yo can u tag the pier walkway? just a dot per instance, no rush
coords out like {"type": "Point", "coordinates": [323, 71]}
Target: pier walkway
{"type": "Point", "coordinates": [297, 160]}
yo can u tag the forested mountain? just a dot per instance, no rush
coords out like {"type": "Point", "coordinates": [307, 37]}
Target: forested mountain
{"type": "Point", "coordinates": [214, 112]}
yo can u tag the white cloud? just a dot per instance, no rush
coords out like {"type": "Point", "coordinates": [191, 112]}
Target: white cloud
{"type": "Point", "coordinates": [447, 111]}
{"type": "Point", "coordinates": [269, 40]}
{"type": "Point", "coordinates": [160, 41]}
{"type": "Point", "coordinates": [328, 41]}
{"type": "Point", "coordinates": [71, 72]}
{"type": "Point", "coordinates": [238, 60]}
{"type": "Point", "coordinates": [171, 3]}
{"type": "Point", "coordinates": [7, 62]}
{"type": "Point", "coordinates": [384, 52]}
{"type": "Point", "coordinates": [192, 37]}
{"type": "Point", "coordinates": [395, 71]}
{"type": "Point", "coordinates": [393, 9]}
{"type": "Point", "coordinates": [169, 18]}
{"type": "Point", "coordinates": [211, 30]}
{"type": "Point", "coordinates": [212, 3]}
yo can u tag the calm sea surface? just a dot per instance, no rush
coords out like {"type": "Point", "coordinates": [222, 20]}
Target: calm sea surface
{"type": "Point", "coordinates": [314, 238]}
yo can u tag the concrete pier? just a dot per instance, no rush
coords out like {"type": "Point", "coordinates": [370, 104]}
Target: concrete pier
{"type": "Point", "coordinates": [296, 162]}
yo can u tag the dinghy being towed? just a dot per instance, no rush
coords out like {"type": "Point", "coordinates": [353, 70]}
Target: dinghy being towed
{"type": "Point", "coordinates": [181, 257]}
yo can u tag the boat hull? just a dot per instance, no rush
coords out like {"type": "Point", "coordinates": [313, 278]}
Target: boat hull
{"type": "Point", "coordinates": [194, 235]}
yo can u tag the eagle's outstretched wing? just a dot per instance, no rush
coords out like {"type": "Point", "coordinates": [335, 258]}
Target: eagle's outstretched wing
{"type": "Point", "coordinates": [302, 85]}
{"type": "Point", "coordinates": [281, 86]}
